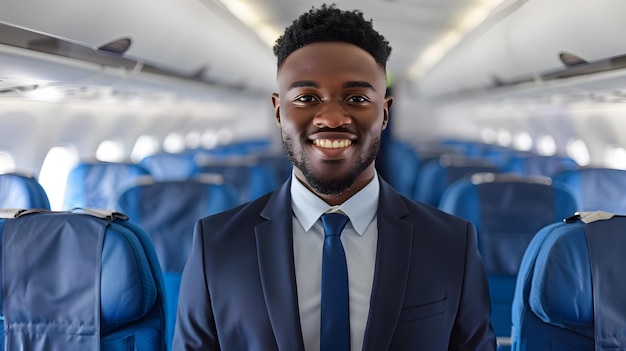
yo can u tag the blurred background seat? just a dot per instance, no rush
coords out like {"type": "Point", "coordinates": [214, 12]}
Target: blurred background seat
{"type": "Point", "coordinates": [19, 190]}
{"type": "Point", "coordinates": [531, 164]}
{"type": "Point", "coordinates": [437, 174]}
{"type": "Point", "coordinates": [597, 188]}
{"type": "Point", "coordinates": [168, 211]}
{"type": "Point", "coordinates": [93, 184]}
{"type": "Point", "coordinates": [507, 210]}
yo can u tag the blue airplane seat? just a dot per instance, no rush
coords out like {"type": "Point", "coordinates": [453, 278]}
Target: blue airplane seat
{"type": "Point", "coordinates": [168, 166]}
{"type": "Point", "coordinates": [19, 190]}
{"type": "Point", "coordinates": [93, 184]}
{"type": "Point", "coordinates": [437, 174]}
{"type": "Point", "coordinates": [501, 156]}
{"type": "Point", "coordinates": [470, 148]}
{"type": "Point", "coordinates": [246, 175]}
{"type": "Point", "coordinates": [75, 281]}
{"type": "Point", "coordinates": [539, 165]}
{"type": "Point", "coordinates": [277, 162]}
{"type": "Point", "coordinates": [168, 211]}
{"type": "Point", "coordinates": [241, 148]}
{"type": "Point", "coordinates": [570, 289]}
{"type": "Point", "coordinates": [400, 166]}
{"type": "Point", "coordinates": [507, 210]}
{"type": "Point", "coordinates": [597, 188]}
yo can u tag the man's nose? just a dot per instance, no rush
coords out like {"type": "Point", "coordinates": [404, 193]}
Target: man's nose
{"type": "Point", "coordinates": [332, 115]}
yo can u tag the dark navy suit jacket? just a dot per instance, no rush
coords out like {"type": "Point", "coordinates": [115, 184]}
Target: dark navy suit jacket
{"type": "Point", "coordinates": [238, 289]}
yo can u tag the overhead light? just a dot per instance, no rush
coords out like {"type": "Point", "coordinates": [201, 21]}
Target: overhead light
{"type": "Point", "coordinates": [435, 52]}
{"type": "Point", "coordinates": [246, 14]}
{"type": "Point", "coordinates": [43, 93]}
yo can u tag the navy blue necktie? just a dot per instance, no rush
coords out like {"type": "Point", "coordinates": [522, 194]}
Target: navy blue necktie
{"type": "Point", "coordinates": [335, 321]}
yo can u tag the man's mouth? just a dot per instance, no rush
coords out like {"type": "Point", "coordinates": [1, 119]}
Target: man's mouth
{"type": "Point", "coordinates": [332, 143]}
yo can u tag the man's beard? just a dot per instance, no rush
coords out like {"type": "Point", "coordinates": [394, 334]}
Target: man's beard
{"type": "Point", "coordinates": [334, 187]}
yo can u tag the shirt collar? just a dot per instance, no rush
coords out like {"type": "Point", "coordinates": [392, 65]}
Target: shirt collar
{"type": "Point", "coordinates": [360, 208]}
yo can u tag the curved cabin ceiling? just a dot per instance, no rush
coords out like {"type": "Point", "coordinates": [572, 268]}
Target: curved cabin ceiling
{"type": "Point", "coordinates": [205, 39]}
{"type": "Point", "coordinates": [522, 50]}
{"type": "Point", "coordinates": [441, 48]}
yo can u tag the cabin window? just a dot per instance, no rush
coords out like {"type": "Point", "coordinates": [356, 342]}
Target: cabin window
{"type": "Point", "coordinates": [7, 164]}
{"type": "Point", "coordinates": [504, 138]}
{"type": "Point", "coordinates": [615, 157]}
{"type": "Point", "coordinates": [209, 139]}
{"type": "Point", "coordinates": [225, 136]}
{"type": "Point", "coordinates": [110, 151]}
{"type": "Point", "coordinates": [489, 135]}
{"type": "Point", "coordinates": [546, 146]}
{"type": "Point", "coordinates": [577, 150]}
{"type": "Point", "coordinates": [523, 142]}
{"type": "Point", "coordinates": [144, 146]}
{"type": "Point", "coordinates": [54, 171]}
{"type": "Point", "coordinates": [193, 139]}
{"type": "Point", "coordinates": [174, 143]}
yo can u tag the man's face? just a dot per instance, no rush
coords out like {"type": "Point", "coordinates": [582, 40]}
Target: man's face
{"type": "Point", "coordinates": [331, 108]}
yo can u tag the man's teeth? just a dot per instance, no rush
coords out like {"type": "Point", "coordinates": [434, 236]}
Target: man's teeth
{"type": "Point", "coordinates": [332, 144]}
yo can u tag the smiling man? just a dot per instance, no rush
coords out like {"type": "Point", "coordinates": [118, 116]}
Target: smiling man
{"type": "Point", "coordinates": [332, 108]}
{"type": "Point", "coordinates": [334, 259]}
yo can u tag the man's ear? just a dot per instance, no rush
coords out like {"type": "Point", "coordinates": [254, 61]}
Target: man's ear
{"type": "Point", "coordinates": [276, 103]}
{"type": "Point", "coordinates": [386, 107]}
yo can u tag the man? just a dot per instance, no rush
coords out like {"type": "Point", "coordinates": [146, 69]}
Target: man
{"type": "Point", "coordinates": [415, 280]}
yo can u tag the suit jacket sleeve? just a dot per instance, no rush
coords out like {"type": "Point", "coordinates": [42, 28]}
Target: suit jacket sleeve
{"type": "Point", "coordinates": [195, 325]}
{"type": "Point", "coordinates": [472, 330]}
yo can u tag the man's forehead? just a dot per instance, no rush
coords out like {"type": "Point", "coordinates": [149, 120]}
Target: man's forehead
{"type": "Point", "coordinates": [336, 57]}
{"type": "Point", "coordinates": [323, 50]}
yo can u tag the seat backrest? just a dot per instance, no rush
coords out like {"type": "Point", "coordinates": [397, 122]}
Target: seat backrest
{"type": "Point", "coordinates": [507, 211]}
{"type": "Point", "coordinates": [249, 178]}
{"type": "Point", "coordinates": [597, 188]}
{"type": "Point", "coordinates": [93, 184]}
{"type": "Point", "coordinates": [74, 281]}
{"type": "Point", "coordinates": [437, 174]}
{"type": "Point", "coordinates": [168, 210]}
{"type": "Point", "coordinates": [399, 166]}
{"type": "Point", "coordinates": [539, 165]}
{"type": "Point", "coordinates": [277, 162]}
{"type": "Point", "coordinates": [570, 289]}
{"type": "Point", "coordinates": [168, 166]}
{"type": "Point", "coordinates": [22, 191]}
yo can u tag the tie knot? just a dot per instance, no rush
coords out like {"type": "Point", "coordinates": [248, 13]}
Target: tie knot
{"type": "Point", "coordinates": [334, 223]}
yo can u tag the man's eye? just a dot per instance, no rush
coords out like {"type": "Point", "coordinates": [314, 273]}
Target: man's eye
{"type": "Point", "coordinates": [306, 98]}
{"type": "Point", "coordinates": [357, 98]}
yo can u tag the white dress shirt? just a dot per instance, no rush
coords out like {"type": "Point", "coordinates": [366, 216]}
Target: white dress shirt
{"type": "Point", "coordinates": [359, 239]}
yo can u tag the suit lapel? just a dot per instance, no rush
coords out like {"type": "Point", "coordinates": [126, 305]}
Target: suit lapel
{"type": "Point", "coordinates": [393, 256]}
{"type": "Point", "coordinates": [274, 242]}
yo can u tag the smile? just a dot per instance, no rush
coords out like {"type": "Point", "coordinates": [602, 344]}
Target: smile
{"type": "Point", "coordinates": [332, 144]}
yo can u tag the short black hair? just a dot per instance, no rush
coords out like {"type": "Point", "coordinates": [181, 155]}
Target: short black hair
{"type": "Point", "coordinates": [327, 24]}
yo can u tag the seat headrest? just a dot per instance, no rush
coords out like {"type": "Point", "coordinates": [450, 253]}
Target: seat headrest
{"type": "Point", "coordinates": [561, 292]}
{"type": "Point", "coordinates": [92, 184]}
{"type": "Point", "coordinates": [22, 191]}
{"type": "Point", "coordinates": [577, 281]}
{"type": "Point", "coordinates": [127, 287]}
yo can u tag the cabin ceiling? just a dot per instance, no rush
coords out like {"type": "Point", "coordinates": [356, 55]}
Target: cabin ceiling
{"type": "Point", "coordinates": [186, 48]}
{"type": "Point", "coordinates": [203, 40]}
